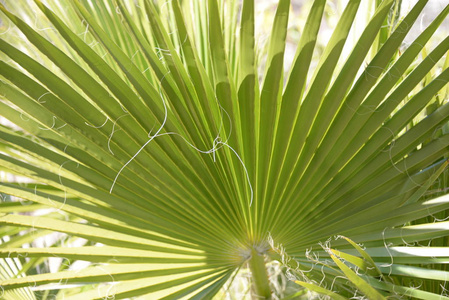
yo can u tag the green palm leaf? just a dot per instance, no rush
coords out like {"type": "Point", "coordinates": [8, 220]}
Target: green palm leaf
{"type": "Point", "coordinates": [169, 156]}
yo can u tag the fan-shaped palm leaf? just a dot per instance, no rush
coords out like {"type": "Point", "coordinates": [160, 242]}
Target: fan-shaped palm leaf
{"type": "Point", "coordinates": [148, 129]}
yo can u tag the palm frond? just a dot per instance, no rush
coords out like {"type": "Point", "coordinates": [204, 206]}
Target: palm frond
{"type": "Point", "coordinates": [153, 132]}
